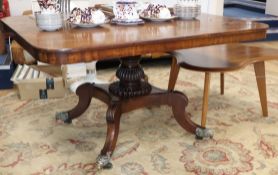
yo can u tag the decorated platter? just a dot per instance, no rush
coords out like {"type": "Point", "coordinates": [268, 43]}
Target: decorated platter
{"type": "Point", "coordinates": [88, 25]}
{"type": "Point", "coordinates": [157, 19]}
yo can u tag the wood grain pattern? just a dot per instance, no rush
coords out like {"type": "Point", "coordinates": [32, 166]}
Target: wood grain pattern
{"type": "Point", "coordinates": [259, 68]}
{"type": "Point", "coordinates": [111, 41]}
{"type": "Point", "coordinates": [205, 99]}
{"type": "Point", "coordinates": [223, 58]}
{"type": "Point", "coordinates": [175, 68]}
{"type": "Point", "coordinates": [222, 83]}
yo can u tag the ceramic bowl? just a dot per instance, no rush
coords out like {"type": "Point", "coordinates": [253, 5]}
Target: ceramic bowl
{"type": "Point", "coordinates": [49, 22]}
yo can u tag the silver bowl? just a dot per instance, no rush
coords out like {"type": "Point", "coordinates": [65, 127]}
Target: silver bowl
{"type": "Point", "coordinates": [49, 22]}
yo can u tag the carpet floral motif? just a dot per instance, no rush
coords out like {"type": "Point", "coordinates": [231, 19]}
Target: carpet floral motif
{"type": "Point", "coordinates": [14, 154]}
{"type": "Point", "coordinates": [217, 157]}
{"type": "Point", "coordinates": [266, 144]}
{"type": "Point", "coordinates": [150, 141]}
{"type": "Point", "coordinates": [133, 168]}
{"type": "Point", "coordinates": [153, 132]}
{"type": "Point", "coordinates": [160, 163]}
{"type": "Point", "coordinates": [69, 169]}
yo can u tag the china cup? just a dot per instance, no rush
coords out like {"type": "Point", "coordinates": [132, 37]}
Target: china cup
{"type": "Point", "coordinates": [125, 10]}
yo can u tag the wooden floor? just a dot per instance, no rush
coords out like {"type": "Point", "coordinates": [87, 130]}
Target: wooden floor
{"type": "Point", "coordinates": [271, 68]}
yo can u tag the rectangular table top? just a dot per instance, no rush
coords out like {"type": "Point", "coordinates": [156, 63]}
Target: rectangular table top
{"type": "Point", "coordinates": [70, 45]}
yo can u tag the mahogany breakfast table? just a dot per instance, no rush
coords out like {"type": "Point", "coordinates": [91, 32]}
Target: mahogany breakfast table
{"type": "Point", "coordinates": [73, 45]}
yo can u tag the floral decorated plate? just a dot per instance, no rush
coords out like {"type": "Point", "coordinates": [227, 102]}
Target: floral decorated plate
{"type": "Point", "coordinates": [127, 22]}
{"type": "Point", "coordinates": [88, 25]}
{"type": "Point", "coordinates": [157, 19]}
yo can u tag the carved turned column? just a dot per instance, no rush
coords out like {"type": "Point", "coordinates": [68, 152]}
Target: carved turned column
{"type": "Point", "coordinates": [131, 75]}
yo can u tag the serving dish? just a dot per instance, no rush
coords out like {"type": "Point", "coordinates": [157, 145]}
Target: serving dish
{"type": "Point", "coordinates": [88, 25]}
{"type": "Point", "coordinates": [127, 22]}
{"type": "Point", "coordinates": [157, 19]}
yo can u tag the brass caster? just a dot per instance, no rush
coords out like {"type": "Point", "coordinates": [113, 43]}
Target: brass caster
{"type": "Point", "coordinates": [63, 117]}
{"type": "Point", "coordinates": [202, 133]}
{"type": "Point", "coordinates": [103, 161]}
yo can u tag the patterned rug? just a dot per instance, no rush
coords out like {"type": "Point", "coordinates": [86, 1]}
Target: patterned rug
{"type": "Point", "coordinates": [150, 141]}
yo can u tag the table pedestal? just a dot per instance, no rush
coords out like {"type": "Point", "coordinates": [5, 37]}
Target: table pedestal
{"type": "Point", "coordinates": [128, 94]}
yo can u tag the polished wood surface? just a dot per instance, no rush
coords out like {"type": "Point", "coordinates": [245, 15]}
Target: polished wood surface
{"type": "Point", "coordinates": [110, 41]}
{"type": "Point", "coordinates": [222, 83]}
{"type": "Point", "coordinates": [174, 72]}
{"type": "Point", "coordinates": [117, 106]}
{"type": "Point", "coordinates": [205, 99]}
{"type": "Point", "coordinates": [259, 68]}
{"type": "Point", "coordinates": [223, 58]}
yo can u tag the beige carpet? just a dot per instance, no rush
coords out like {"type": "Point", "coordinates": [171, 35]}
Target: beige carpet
{"type": "Point", "coordinates": [150, 141]}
